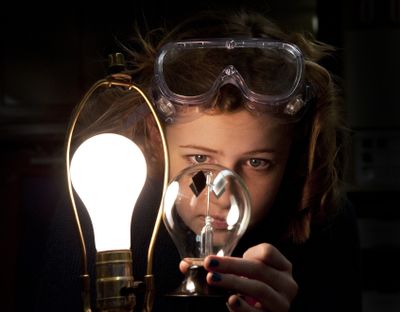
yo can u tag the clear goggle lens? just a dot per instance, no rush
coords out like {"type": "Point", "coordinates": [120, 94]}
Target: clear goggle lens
{"type": "Point", "coordinates": [268, 73]}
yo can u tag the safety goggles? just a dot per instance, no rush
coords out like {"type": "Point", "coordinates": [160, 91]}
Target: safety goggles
{"type": "Point", "coordinates": [269, 74]}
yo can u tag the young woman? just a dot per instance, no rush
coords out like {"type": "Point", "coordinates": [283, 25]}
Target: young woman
{"type": "Point", "coordinates": [235, 90]}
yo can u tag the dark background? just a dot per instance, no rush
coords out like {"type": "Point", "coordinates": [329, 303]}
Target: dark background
{"type": "Point", "coordinates": [51, 54]}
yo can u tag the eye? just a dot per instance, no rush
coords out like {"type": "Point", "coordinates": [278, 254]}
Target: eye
{"type": "Point", "coordinates": [258, 163]}
{"type": "Point", "coordinates": [198, 159]}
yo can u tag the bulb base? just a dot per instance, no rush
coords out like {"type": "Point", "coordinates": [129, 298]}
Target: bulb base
{"type": "Point", "coordinates": [195, 285]}
{"type": "Point", "coordinates": [114, 281]}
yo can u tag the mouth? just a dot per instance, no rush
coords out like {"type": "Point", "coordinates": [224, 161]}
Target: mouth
{"type": "Point", "coordinates": [218, 223]}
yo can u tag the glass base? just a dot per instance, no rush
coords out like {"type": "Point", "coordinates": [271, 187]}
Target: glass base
{"type": "Point", "coordinates": [195, 285]}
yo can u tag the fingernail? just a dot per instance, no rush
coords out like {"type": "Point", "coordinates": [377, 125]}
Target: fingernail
{"type": "Point", "coordinates": [237, 302]}
{"type": "Point", "coordinates": [213, 263]}
{"type": "Point", "coordinates": [215, 277]}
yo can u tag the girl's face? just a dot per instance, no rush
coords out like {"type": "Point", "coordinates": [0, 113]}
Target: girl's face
{"type": "Point", "coordinates": [255, 147]}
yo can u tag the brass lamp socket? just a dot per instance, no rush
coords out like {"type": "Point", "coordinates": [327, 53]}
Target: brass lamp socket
{"type": "Point", "coordinates": [114, 281]}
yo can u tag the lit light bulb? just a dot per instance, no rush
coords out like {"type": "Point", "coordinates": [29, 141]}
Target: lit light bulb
{"type": "Point", "coordinates": [206, 211]}
{"type": "Point", "coordinates": [108, 172]}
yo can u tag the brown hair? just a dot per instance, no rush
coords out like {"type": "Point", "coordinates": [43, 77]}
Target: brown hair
{"type": "Point", "coordinates": [316, 165]}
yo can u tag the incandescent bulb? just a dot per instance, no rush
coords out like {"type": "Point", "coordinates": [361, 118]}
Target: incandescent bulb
{"type": "Point", "coordinates": [108, 172]}
{"type": "Point", "coordinates": [206, 211]}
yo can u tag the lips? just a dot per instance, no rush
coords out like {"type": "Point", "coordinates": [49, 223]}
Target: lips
{"type": "Point", "coordinates": [218, 223]}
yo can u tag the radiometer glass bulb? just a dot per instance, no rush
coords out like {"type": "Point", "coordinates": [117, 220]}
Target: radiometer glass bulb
{"type": "Point", "coordinates": [206, 211]}
{"type": "Point", "coordinates": [108, 172]}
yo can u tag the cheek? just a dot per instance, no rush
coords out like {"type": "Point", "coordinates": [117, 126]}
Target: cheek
{"type": "Point", "coordinates": [263, 193]}
{"type": "Point", "coordinates": [176, 164]}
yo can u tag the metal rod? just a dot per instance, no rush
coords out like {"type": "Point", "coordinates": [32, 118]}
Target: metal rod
{"type": "Point", "coordinates": [70, 131]}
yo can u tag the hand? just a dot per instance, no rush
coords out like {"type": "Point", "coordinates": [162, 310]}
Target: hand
{"type": "Point", "coordinates": [262, 278]}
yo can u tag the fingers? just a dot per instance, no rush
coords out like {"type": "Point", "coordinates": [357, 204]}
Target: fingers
{"type": "Point", "coordinates": [270, 255]}
{"type": "Point", "coordinates": [262, 295]}
{"type": "Point", "coordinates": [263, 276]}
{"type": "Point", "coordinates": [279, 280]}
{"type": "Point", "coordinates": [237, 304]}
{"type": "Point", "coordinates": [244, 267]}
{"type": "Point", "coordinates": [184, 266]}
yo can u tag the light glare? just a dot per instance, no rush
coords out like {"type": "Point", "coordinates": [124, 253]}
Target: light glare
{"type": "Point", "coordinates": [108, 172]}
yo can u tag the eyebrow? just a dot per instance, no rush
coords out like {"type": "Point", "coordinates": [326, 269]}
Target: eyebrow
{"type": "Point", "coordinates": [202, 148]}
{"type": "Point", "coordinates": [261, 150]}
{"type": "Point", "coordinates": [210, 150]}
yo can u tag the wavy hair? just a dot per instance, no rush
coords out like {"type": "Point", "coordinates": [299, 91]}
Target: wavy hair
{"type": "Point", "coordinates": [315, 169]}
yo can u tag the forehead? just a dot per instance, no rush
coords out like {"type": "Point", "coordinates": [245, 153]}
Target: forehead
{"type": "Point", "coordinates": [240, 130]}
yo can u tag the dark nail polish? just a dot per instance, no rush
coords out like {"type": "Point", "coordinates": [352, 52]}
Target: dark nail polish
{"type": "Point", "coordinates": [216, 277]}
{"type": "Point", "coordinates": [237, 303]}
{"type": "Point", "coordinates": [213, 263]}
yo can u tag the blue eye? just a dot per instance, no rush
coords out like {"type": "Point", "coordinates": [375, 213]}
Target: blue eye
{"type": "Point", "coordinates": [199, 158]}
{"type": "Point", "coordinates": [258, 163]}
